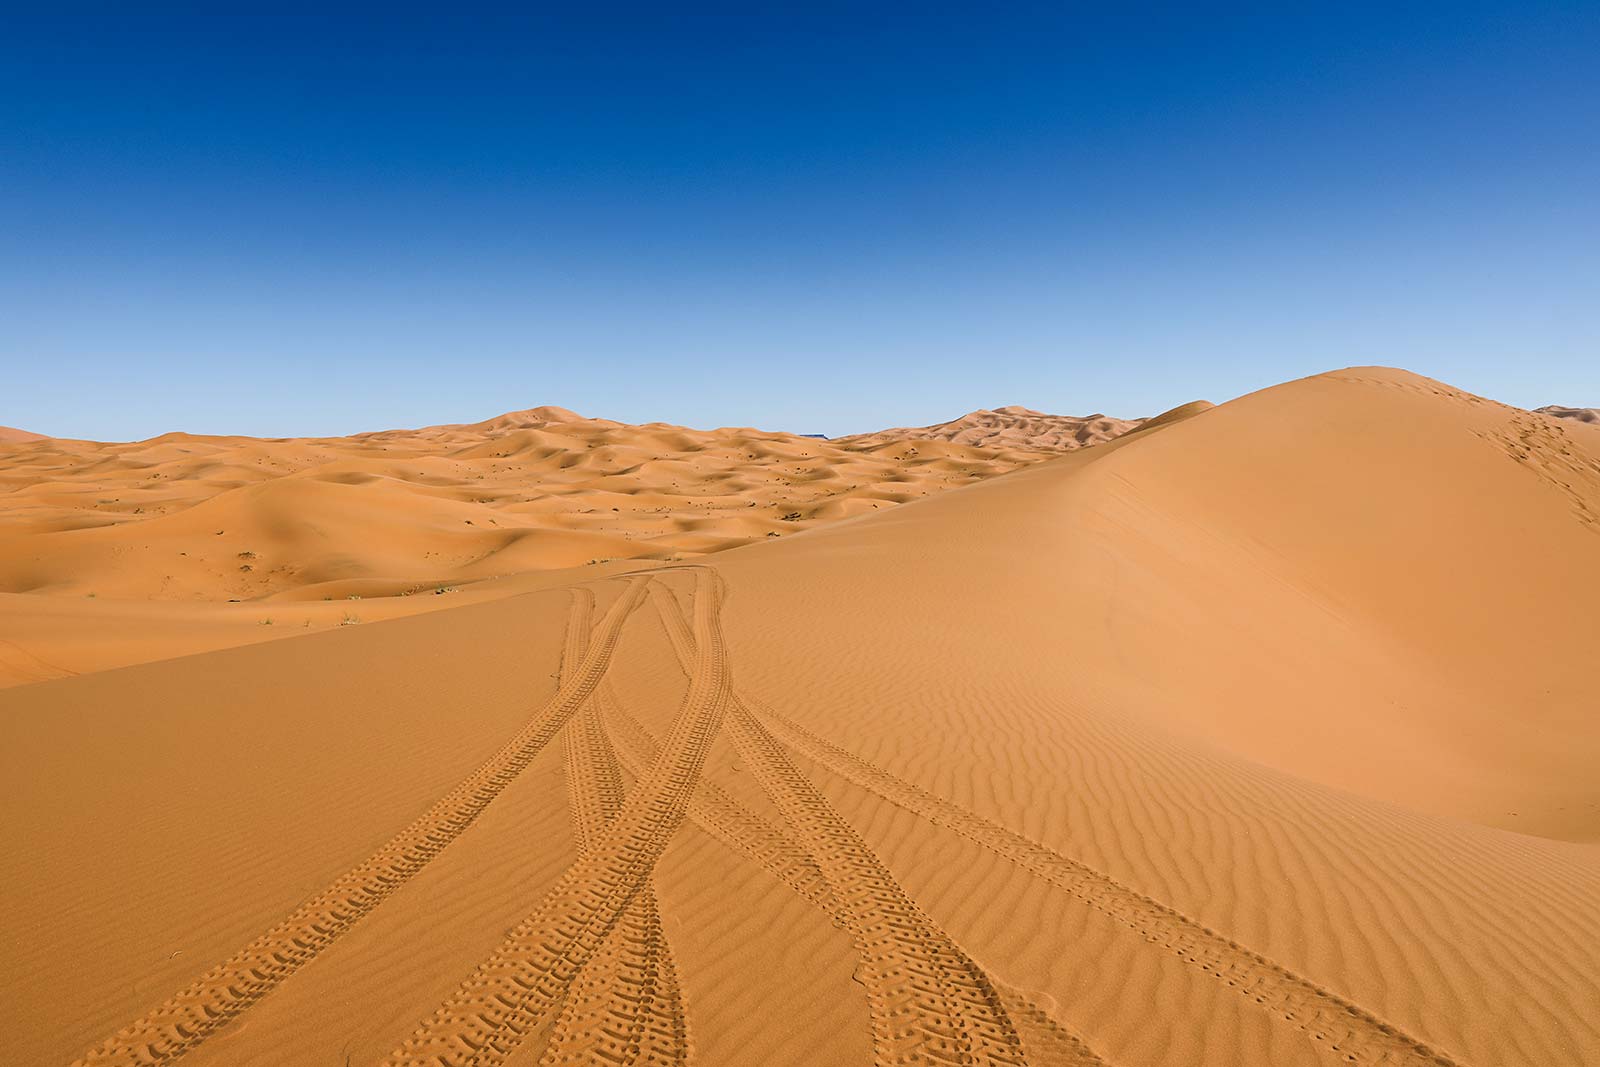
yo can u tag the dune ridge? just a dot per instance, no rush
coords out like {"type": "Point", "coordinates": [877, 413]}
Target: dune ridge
{"type": "Point", "coordinates": [1011, 427]}
{"type": "Point", "coordinates": [1589, 415]}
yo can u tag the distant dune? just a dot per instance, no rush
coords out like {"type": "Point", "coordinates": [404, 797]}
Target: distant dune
{"type": "Point", "coordinates": [183, 517]}
{"type": "Point", "coordinates": [1577, 414]}
{"type": "Point", "coordinates": [1012, 427]}
{"type": "Point", "coordinates": [1258, 734]}
{"type": "Point", "coordinates": [114, 553]}
{"type": "Point", "coordinates": [11, 433]}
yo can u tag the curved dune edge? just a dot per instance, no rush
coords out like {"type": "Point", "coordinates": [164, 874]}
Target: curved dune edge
{"type": "Point", "coordinates": [1190, 748]}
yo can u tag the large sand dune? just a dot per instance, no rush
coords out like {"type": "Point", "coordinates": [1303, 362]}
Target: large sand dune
{"type": "Point", "coordinates": [1262, 734]}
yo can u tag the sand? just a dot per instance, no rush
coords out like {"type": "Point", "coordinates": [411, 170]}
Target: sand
{"type": "Point", "coordinates": [1589, 415]}
{"type": "Point", "coordinates": [116, 553]}
{"type": "Point", "coordinates": [1013, 427]}
{"type": "Point", "coordinates": [1262, 734]}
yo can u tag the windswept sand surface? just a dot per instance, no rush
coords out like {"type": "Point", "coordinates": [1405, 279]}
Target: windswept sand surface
{"type": "Point", "coordinates": [1264, 735]}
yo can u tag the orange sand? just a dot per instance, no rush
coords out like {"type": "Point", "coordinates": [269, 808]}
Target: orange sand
{"type": "Point", "coordinates": [1013, 427]}
{"type": "Point", "coordinates": [1263, 735]}
{"type": "Point", "coordinates": [117, 553]}
{"type": "Point", "coordinates": [1589, 415]}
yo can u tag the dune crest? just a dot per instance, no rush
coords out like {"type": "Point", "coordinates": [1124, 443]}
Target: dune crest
{"type": "Point", "coordinates": [1588, 415]}
{"type": "Point", "coordinates": [1011, 427]}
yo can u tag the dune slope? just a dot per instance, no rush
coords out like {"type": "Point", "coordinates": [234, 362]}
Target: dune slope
{"type": "Point", "coordinates": [1194, 748]}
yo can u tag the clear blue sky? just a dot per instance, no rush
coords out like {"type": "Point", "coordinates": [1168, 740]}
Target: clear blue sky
{"type": "Point", "coordinates": [823, 221]}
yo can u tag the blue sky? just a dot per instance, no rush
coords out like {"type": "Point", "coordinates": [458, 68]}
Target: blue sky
{"type": "Point", "coordinates": [827, 220]}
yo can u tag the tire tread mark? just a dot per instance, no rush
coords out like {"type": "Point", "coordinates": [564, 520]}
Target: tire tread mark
{"type": "Point", "coordinates": [930, 1003]}
{"type": "Point", "coordinates": [225, 991]}
{"type": "Point", "coordinates": [1334, 1022]}
{"type": "Point", "coordinates": [716, 812]}
{"type": "Point", "coordinates": [624, 1008]}
{"type": "Point", "coordinates": [1045, 1042]}
{"type": "Point", "coordinates": [520, 983]}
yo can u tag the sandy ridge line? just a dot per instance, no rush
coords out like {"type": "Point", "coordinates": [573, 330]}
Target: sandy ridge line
{"type": "Point", "coordinates": [1327, 1017]}
{"type": "Point", "coordinates": [222, 993]}
{"type": "Point", "coordinates": [930, 1003]}
{"type": "Point", "coordinates": [520, 983]}
{"type": "Point", "coordinates": [625, 1006]}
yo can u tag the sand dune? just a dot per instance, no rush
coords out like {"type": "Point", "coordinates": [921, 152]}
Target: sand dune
{"type": "Point", "coordinates": [1012, 427]}
{"type": "Point", "coordinates": [1261, 734]}
{"type": "Point", "coordinates": [183, 518]}
{"type": "Point", "coordinates": [1589, 415]}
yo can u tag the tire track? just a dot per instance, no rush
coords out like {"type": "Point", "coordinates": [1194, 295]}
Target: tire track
{"type": "Point", "coordinates": [27, 666]}
{"type": "Point", "coordinates": [1329, 1019]}
{"type": "Point", "coordinates": [1045, 1042]}
{"type": "Point", "coordinates": [671, 617]}
{"type": "Point", "coordinates": [1326, 1017]}
{"type": "Point", "coordinates": [524, 980]}
{"type": "Point", "coordinates": [222, 993]}
{"type": "Point", "coordinates": [716, 812]}
{"type": "Point", "coordinates": [930, 1003]}
{"type": "Point", "coordinates": [625, 1006]}
{"type": "Point", "coordinates": [594, 782]}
